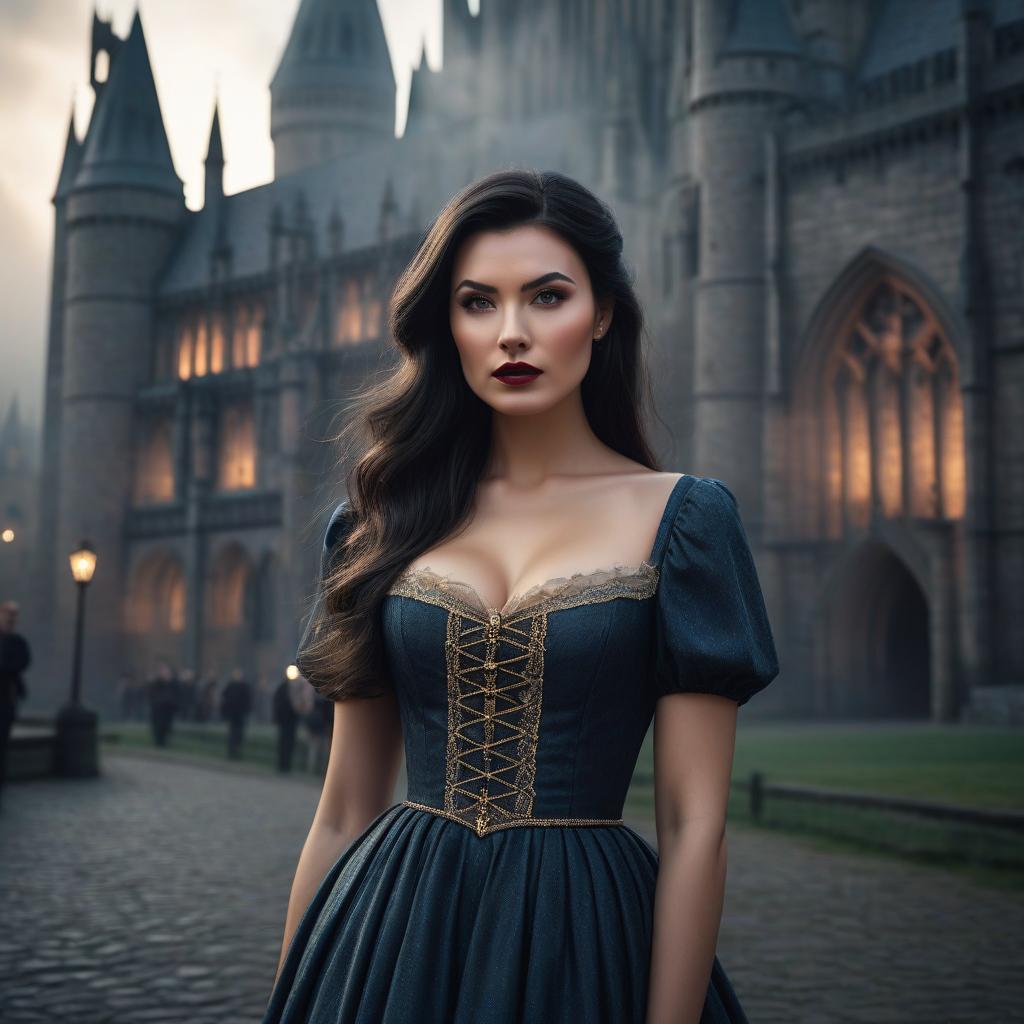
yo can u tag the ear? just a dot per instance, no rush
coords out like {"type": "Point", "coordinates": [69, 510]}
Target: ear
{"type": "Point", "coordinates": [603, 318]}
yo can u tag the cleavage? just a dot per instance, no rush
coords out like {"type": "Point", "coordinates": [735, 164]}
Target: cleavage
{"type": "Point", "coordinates": [520, 600]}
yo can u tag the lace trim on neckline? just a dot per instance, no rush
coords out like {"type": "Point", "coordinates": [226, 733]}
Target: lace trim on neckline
{"type": "Point", "coordinates": [559, 591]}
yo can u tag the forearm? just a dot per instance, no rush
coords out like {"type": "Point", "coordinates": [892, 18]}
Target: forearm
{"type": "Point", "coordinates": [687, 913]}
{"type": "Point", "coordinates": [323, 847]}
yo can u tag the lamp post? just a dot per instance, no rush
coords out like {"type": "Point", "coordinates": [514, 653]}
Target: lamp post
{"type": "Point", "coordinates": [77, 747]}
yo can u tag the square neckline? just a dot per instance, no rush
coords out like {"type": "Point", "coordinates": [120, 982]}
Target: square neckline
{"type": "Point", "coordinates": [520, 602]}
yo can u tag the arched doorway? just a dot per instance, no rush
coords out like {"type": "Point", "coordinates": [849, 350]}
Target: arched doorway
{"type": "Point", "coordinates": [873, 639]}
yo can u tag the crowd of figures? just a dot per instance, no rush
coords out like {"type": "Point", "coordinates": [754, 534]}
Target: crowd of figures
{"type": "Point", "coordinates": [168, 696]}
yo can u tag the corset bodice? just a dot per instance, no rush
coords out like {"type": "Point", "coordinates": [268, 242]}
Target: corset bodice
{"type": "Point", "coordinates": [536, 712]}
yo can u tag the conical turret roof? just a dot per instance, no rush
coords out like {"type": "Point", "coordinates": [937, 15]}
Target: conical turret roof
{"type": "Point", "coordinates": [762, 27]}
{"type": "Point", "coordinates": [335, 44]}
{"type": "Point", "coordinates": [71, 161]}
{"type": "Point", "coordinates": [127, 143]}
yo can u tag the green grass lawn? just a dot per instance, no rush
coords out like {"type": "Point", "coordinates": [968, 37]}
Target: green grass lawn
{"type": "Point", "coordinates": [971, 765]}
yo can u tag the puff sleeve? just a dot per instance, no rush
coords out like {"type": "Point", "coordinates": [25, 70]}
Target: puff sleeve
{"type": "Point", "coordinates": [337, 528]}
{"type": "Point", "coordinates": [712, 633]}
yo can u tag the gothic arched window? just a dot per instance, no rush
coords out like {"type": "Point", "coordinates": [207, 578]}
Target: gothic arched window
{"type": "Point", "coordinates": [893, 414]}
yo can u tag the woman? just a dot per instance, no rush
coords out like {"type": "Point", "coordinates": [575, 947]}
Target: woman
{"type": "Point", "coordinates": [510, 593]}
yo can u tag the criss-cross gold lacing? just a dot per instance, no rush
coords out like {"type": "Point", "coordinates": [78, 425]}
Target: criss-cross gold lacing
{"type": "Point", "coordinates": [495, 670]}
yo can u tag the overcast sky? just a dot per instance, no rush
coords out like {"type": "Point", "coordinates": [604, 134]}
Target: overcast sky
{"type": "Point", "coordinates": [197, 48]}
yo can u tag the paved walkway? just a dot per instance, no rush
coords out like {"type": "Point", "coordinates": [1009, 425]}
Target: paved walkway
{"type": "Point", "coordinates": [158, 893]}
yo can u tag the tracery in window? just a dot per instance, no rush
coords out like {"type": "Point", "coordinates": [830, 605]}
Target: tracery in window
{"type": "Point", "coordinates": [893, 414]}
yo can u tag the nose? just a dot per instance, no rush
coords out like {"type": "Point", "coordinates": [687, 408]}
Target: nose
{"type": "Point", "coordinates": [513, 336]}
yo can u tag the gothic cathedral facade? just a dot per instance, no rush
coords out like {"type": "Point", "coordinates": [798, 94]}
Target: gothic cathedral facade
{"type": "Point", "coordinates": [823, 203]}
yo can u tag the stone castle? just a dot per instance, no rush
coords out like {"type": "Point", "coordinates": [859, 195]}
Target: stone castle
{"type": "Point", "coordinates": [823, 203]}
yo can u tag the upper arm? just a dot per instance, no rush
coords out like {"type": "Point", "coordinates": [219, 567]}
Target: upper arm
{"type": "Point", "coordinates": [364, 763]}
{"type": "Point", "coordinates": [694, 742]}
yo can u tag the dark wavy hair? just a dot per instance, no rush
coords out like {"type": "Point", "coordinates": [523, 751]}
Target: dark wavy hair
{"type": "Point", "coordinates": [424, 435]}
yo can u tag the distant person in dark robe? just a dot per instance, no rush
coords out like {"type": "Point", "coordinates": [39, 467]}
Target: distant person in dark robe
{"type": "Point", "coordinates": [287, 711]}
{"type": "Point", "coordinates": [163, 703]}
{"type": "Point", "coordinates": [15, 657]}
{"type": "Point", "coordinates": [235, 707]}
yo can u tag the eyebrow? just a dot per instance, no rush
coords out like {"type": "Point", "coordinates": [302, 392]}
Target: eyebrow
{"type": "Point", "coordinates": [555, 275]}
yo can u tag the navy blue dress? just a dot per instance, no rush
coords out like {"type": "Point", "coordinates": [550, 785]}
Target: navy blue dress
{"type": "Point", "coordinates": [506, 887]}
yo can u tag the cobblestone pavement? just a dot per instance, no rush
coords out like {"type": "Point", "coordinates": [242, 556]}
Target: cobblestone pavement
{"type": "Point", "coordinates": [158, 893]}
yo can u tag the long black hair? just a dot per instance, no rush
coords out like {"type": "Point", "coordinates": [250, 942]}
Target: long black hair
{"type": "Point", "coordinates": [424, 436]}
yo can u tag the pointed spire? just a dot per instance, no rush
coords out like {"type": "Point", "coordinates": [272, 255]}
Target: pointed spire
{"type": "Point", "coordinates": [762, 27]}
{"type": "Point", "coordinates": [127, 144]}
{"type": "Point", "coordinates": [215, 147]}
{"type": "Point", "coordinates": [71, 161]}
{"type": "Point", "coordinates": [12, 453]}
{"type": "Point", "coordinates": [213, 185]}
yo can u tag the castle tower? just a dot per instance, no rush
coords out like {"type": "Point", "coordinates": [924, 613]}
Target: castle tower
{"type": "Point", "coordinates": [123, 210]}
{"type": "Point", "coordinates": [746, 67]}
{"type": "Point", "coordinates": [334, 89]}
{"type": "Point", "coordinates": [42, 575]}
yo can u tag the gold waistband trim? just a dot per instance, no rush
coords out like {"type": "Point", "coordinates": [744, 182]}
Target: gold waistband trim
{"type": "Point", "coordinates": [482, 829]}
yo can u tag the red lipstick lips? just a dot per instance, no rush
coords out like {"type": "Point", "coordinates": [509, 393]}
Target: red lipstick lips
{"type": "Point", "coordinates": [516, 374]}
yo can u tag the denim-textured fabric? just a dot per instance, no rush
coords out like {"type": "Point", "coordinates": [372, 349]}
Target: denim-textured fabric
{"type": "Point", "coordinates": [424, 919]}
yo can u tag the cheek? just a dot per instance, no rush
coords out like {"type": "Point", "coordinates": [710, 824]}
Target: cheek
{"type": "Point", "coordinates": [566, 332]}
{"type": "Point", "coordinates": [474, 339]}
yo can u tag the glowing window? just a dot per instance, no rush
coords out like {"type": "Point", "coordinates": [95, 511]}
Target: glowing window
{"type": "Point", "coordinates": [154, 464]}
{"type": "Point", "coordinates": [350, 315]}
{"type": "Point", "coordinates": [893, 416]}
{"type": "Point", "coordinates": [236, 467]}
{"type": "Point", "coordinates": [185, 354]}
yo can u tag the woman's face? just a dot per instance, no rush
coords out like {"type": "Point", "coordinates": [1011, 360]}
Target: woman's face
{"type": "Point", "coordinates": [523, 295]}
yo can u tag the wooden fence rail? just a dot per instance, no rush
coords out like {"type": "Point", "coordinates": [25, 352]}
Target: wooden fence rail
{"type": "Point", "coordinates": [759, 791]}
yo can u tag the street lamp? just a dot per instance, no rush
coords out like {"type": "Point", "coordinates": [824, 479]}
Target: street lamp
{"type": "Point", "coordinates": [77, 749]}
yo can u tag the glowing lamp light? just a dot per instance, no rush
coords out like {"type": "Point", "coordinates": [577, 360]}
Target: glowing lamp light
{"type": "Point", "coordinates": [292, 672]}
{"type": "Point", "coordinates": [83, 563]}
{"type": "Point", "coordinates": [7, 536]}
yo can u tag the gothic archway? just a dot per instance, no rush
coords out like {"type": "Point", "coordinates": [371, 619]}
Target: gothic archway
{"type": "Point", "coordinates": [154, 613]}
{"type": "Point", "coordinates": [873, 639]}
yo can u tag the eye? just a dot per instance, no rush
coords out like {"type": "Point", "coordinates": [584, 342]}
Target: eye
{"type": "Point", "coordinates": [553, 294]}
{"type": "Point", "coordinates": [467, 303]}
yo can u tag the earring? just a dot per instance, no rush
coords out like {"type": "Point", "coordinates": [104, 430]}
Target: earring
{"type": "Point", "coordinates": [600, 330]}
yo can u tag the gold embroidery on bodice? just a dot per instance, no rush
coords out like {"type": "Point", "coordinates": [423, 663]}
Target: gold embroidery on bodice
{"type": "Point", "coordinates": [495, 670]}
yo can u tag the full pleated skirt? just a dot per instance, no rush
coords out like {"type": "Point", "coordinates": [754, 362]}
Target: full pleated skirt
{"type": "Point", "coordinates": [420, 921]}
